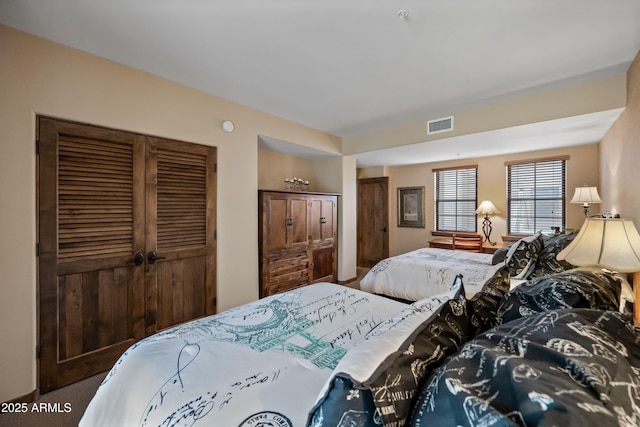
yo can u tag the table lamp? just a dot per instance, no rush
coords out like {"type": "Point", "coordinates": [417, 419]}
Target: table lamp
{"type": "Point", "coordinates": [586, 195]}
{"type": "Point", "coordinates": [611, 243]}
{"type": "Point", "coordinates": [487, 208]}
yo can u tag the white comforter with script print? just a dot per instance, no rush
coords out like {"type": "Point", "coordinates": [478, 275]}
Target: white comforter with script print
{"type": "Point", "coordinates": [262, 363]}
{"type": "Point", "coordinates": [428, 271]}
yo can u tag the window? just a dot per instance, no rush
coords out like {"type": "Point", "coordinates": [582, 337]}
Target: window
{"type": "Point", "coordinates": [456, 198]}
{"type": "Point", "coordinates": [536, 195]}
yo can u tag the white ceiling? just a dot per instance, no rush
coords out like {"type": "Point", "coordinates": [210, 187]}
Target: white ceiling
{"type": "Point", "coordinates": [350, 66]}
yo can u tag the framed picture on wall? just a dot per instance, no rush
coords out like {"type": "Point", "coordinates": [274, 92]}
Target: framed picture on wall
{"type": "Point", "coordinates": [411, 207]}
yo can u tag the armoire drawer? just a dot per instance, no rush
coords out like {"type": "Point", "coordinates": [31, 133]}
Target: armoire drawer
{"type": "Point", "coordinates": [289, 263]}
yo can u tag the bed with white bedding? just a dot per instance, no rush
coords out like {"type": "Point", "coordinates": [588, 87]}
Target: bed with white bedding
{"type": "Point", "coordinates": [234, 368]}
{"type": "Point", "coordinates": [428, 271]}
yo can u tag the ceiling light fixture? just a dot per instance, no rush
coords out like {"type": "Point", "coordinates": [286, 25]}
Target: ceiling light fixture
{"type": "Point", "coordinates": [403, 14]}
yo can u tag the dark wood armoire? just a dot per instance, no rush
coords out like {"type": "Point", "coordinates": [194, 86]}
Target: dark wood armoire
{"type": "Point", "coordinates": [297, 239]}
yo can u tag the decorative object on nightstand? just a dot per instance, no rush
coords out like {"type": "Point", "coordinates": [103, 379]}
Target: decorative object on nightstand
{"type": "Point", "coordinates": [609, 243]}
{"type": "Point", "coordinates": [487, 208]}
{"type": "Point", "coordinates": [296, 184]}
{"type": "Point", "coordinates": [586, 195]}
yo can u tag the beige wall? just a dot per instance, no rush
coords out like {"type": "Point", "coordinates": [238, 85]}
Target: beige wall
{"type": "Point", "coordinates": [582, 168]}
{"type": "Point", "coordinates": [274, 167]}
{"type": "Point", "coordinates": [620, 155]}
{"type": "Point", "coordinates": [40, 77]}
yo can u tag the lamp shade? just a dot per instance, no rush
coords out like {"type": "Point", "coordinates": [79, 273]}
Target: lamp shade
{"type": "Point", "coordinates": [487, 208]}
{"type": "Point", "coordinates": [605, 242]}
{"type": "Point", "coordinates": [586, 195]}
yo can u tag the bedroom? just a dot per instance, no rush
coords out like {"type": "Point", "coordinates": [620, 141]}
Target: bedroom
{"type": "Point", "coordinates": [48, 78]}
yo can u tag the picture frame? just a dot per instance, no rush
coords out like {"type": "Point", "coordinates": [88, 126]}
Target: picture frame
{"type": "Point", "coordinates": [411, 207]}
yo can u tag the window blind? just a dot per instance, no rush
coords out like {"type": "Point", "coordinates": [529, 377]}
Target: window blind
{"type": "Point", "coordinates": [456, 199]}
{"type": "Point", "coordinates": [536, 195]}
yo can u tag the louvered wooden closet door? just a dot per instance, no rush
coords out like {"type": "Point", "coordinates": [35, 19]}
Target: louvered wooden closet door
{"type": "Point", "coordinates": [91, 225]}
{"type": "Point", "coordinates": [180, 230]}
{"type": "Point", "coordinates": [126, 231]}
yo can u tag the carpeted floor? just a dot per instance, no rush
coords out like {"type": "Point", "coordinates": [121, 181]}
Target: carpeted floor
{"type": "Point", "coordinates": [64, 407]}
{"type": "Point", "coordinates": [60, 408]}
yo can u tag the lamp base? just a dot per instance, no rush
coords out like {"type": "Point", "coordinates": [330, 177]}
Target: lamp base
{"type": "Point", "coordinates": [486, 229]}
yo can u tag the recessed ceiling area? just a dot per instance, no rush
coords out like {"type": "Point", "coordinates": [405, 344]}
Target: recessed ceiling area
{"type": "Point", "coordinates": [568, 132]}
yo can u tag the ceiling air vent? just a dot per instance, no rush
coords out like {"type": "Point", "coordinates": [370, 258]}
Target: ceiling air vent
{"type": "Point", "coordinates": [440, 125]}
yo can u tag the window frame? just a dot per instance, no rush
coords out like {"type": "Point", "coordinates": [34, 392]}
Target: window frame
{"type": "Point", "coordinates": [438, 178]}
{"type": "Point", "coordinates": [538, 182]}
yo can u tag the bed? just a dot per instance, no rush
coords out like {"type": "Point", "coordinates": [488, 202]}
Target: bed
{"type": "Point", "coordinates": [428, 271]}
{"type": "Point", "coordinates": [234, 368]}
{"type": "Point", "coordinates": [555, 350]}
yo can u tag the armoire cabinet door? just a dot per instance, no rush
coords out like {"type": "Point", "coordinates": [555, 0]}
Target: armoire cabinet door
{"type": "Point", "coordinates": [322, 238]}
{"type": "Point", "coordinates": [323, 214]}
{"type": "Point", "coordinates": [285, 221]}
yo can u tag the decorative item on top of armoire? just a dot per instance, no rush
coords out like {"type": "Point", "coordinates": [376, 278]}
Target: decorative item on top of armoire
{"type": "Point", "coordinates": [487, 208]}
{"type": "Point", "coordinates": [296, 184]}
{"type": "Point", "coordinates": [297, 239]}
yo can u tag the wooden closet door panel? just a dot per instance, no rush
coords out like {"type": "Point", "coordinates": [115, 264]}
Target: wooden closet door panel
{"type": "Point", "coordinates": [180, 231]}
{"type": "Point", "coordinates": [90, 226]}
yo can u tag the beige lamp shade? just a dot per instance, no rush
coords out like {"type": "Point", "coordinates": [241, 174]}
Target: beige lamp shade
{"type": "Point", "coordinates": [605, 242]}
{"type": "Point", "coordinates": [586, 195]}
{"type": "Point", "coordinates": [487, 208]}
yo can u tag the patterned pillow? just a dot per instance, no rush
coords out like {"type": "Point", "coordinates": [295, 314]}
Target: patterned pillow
{"type": "Point", "coordinates": [482, 308]}
{"type": "Point", "coordinates": [499, 255]}
{"type": "Point", "coordinates": [547, 262]}
{"type": "Point", "coordinates": [376, 381]}
{"type": "Point", "coordinates": [569, 368]}
{"type": "Point", "coordinates": [522, 256]}
{"type": "Point", "coordinates": [578, 288]}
